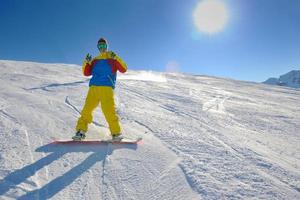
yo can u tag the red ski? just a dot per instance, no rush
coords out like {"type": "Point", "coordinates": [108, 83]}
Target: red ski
{"type": "Point", "coordinates": [99, 141]}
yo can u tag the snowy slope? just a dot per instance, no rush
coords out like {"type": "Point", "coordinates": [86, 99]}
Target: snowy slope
{"type": "Point", "coordinates": [290, 79]}
{"type": "Point", "coordinates": [204, 137]}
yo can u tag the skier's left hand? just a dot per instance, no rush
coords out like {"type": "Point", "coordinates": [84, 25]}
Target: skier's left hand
{"type": "Point", "coordinates": [88, 57]}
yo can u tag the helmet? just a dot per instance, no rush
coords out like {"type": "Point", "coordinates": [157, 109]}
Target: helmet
{"type": "Point", "coordinates": [102, 40]}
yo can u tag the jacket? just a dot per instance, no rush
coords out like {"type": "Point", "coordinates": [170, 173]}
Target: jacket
{"type": "Point", "coordinates": [103, 69]}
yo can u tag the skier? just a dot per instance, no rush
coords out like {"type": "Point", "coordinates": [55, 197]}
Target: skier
{"type": "Point", "coordinates": [103, 69]}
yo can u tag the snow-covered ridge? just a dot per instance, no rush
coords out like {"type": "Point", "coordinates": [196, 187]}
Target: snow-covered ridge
{"type": "Point", "coordinates": [290, 79]}
{"type": "Point", "coordinates": [203, 137]}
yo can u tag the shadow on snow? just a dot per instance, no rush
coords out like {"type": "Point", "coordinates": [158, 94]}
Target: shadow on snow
{"type": "Point", "coordinates": [56, 151]}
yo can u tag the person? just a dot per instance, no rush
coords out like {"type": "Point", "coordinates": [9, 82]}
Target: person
{"type": "Point", "coordinates": [103, 69]}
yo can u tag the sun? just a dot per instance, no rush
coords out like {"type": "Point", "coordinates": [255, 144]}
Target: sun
{"type": "Point", "coordinates": [210, 16]}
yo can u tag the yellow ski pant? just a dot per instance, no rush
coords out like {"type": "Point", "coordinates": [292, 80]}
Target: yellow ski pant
{"type": "Point", "coordinates": [104, 96]}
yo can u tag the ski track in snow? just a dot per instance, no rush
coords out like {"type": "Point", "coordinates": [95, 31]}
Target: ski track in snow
{"type": "Point", "coordinates": [204, 138]}
{"type": "Point", "coordinates": [31, 155]}
{"type": "Point", "coordinates": [104, 183]}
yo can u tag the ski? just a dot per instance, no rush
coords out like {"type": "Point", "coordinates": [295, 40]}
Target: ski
{"type": "Point", "coordinates": [99, 141]}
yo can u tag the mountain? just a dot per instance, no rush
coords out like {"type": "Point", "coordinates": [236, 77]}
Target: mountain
{"type": "Point", "coordinates": [290, 79]}
{"type": "Point", "coordinates": [203, 137]}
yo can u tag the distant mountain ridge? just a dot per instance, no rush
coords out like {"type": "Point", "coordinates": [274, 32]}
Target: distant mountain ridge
{"type": "Point", "coordinates": [290, 79]}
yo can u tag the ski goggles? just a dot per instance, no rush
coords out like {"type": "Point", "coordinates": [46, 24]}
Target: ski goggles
{"type": "Point", "coordinates": [102, 46]}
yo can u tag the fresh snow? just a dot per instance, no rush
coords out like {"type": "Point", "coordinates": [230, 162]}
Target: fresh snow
{"type": "Point", "coordinates": [203, 137]}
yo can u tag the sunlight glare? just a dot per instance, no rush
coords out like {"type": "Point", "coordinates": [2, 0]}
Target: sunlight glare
{"type": "Point", "coordinates": [210, 16]}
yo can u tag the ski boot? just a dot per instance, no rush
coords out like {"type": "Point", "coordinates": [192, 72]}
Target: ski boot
{"type": "Point", "coordinates": [117, 137]}
{"type": "Point", "coordinates": [79, 135]}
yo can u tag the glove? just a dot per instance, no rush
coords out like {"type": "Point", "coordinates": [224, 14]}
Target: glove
{"type": "Point", "coordinates": [88, 57]}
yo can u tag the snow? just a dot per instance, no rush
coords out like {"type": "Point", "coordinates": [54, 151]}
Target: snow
{"type": "Point", "coordinates": [290, 79]}
{"type": "Point", "coordinates": [144, 76]}
{"type": "Point", "coordinates": [203, 137]}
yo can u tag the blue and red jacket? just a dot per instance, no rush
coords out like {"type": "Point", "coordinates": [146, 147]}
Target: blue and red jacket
{"type": "Point", "coordinates": [103, 69]}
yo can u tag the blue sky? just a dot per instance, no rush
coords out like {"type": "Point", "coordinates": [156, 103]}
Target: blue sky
{"type": "Point", "coordinates": [260, 40]}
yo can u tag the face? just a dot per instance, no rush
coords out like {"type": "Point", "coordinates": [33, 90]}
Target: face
{"type": "Point", "coordinates": [102, 47]}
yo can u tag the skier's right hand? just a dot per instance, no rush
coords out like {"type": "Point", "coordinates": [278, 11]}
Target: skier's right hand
{"type": "Point", "coordinates": [88, 57]}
